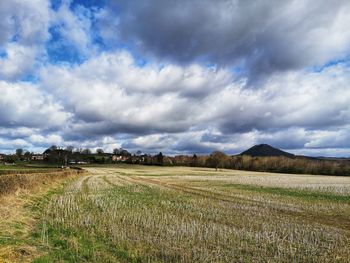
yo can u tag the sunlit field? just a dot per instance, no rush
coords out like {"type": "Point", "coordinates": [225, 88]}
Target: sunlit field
{"type": "Point", "coordinates": [158, 214]}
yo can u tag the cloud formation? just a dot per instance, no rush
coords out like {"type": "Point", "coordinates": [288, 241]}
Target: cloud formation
{"type": "Point", "coordinates": [259, 36]}
{"type": "Point", "coordinates": [24, 105]}
{"type": "Point", "coordinates": [175, 76]}
{"type": "Point", "coordinates": [23, 32]}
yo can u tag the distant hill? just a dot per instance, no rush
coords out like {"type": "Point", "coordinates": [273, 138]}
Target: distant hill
{"type": "Point", "coordinates": [266, 150]}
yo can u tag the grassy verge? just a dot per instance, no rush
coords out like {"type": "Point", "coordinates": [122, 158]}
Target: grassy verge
{"type": "Point", "coordinates": [13, 183]}
{"type": "Point", "coordinates": [18, 214]}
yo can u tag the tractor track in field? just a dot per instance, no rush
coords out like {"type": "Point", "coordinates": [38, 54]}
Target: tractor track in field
{"type": "Point", "coordinates": [338, 222]}
{"type": "Point", "coordinates": [190, 190]}
{"type": "Point", "coordinates": [335, 221]}
{"type": "Point", "coordinates": [85, 186]}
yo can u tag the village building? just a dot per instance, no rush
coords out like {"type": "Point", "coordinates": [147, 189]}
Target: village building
{"type": "Point", "coordinates": [38, 157]}
{"type": "Point", "coordinates": [120, 158]}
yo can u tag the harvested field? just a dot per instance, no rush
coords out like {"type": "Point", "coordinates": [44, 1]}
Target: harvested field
{"type": "Point", "coordinates": [157, 214]}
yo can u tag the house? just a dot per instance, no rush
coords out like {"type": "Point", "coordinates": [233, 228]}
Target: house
{"type": "Point", "coordinates": [38, 157]}
{"type": "Point", "coordinates": [2, 157]}
{"type": "Point", "coordinates": [120, 158]}
{"type": "Point", "coordinates": [138, 159]}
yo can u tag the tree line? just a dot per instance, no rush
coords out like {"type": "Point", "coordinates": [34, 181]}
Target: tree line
{"type": "Point", "coordinates": [216, 160]}
{"type": "Point", "coordinates": [278, 164]}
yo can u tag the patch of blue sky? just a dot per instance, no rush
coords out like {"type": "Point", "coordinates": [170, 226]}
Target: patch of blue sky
{"type": "Point", "coordinates": [237, 70]}
{"type": "Point", "coordinates": [60, 50]}
{"type": "Point", "coordinates": [15, 38]}
{"type": "Point", "coordinates": [55, 4]}
{"type": "Point", "coordinates": [139, 60]}
{"type": "Point", "coordinates": [31, 77]}
{"type": "Point", "coordinates": [63, 52]}
{"type": "Point", "coordinates": [344, 61]}
{"type": "Point", "coordinates": [3, 53]}
{"type": "Point", "coordinates": [89, 3]}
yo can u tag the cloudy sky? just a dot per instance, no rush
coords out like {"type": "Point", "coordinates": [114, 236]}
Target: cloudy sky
{"type": "Point", "coordinates": [176, 76]}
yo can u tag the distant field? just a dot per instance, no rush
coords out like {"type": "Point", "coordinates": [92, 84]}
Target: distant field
{"type": "Point", "coordinates": [157, 214]}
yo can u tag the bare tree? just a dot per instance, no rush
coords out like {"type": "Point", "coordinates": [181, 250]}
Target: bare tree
{"type": "Point", "coordinates": [69, 149]}
{"type": "Point", "coordinates": [99, 151]}
{"type": "Point", "coordinates": [216, 159]}
{"type": "Point", "coordinates": [19, 152]}
{"type": "Point", "coordinates": [86, 151]}
{"type": "Point", "coordinates": [116, 151]}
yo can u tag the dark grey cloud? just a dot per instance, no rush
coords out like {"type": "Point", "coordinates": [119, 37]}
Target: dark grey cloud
{"type": "Point", "coordinates": [261, 37]}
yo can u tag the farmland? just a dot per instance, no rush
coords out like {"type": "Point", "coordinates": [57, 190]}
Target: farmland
{"type": "Point", "coordinates": [178, 214]}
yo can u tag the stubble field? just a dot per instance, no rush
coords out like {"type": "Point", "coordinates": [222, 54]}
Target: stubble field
{"type": "Point", "coordinates": [158, 214]}
{"type": "Point", "coordinates": [174, 214]}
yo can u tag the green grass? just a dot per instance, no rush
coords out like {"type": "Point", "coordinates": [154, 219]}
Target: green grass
{"type": "Point", "coordinates": [78, 244]}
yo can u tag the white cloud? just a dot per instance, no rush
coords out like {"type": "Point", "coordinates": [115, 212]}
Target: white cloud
{"type": "Point", "coordinates": [18, 61]}
{"type": "Point", "coordinates": [50, 139]}
{"type": "Point", "coordinates": [11, 145]}
{"type": "Point", "coordinates": [24, 105]}
{"type": "Point", "coordinates": [112, 88]}
{"type": "Point", "coordinates": [23, 31]}
{"type": "Point", "coordinates": [111, 94]}
{"type": "Point", "coordinates": [27, 21]}
{"type": "Point", "coordinates": [74, 27]}
{"type": "Point", "coordinates": [312, 100]}
{"type": "Point", "coordinates": [112, 99]}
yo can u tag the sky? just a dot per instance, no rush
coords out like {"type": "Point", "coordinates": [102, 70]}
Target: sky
{"type": "Point", "coordinates": [175, 76]}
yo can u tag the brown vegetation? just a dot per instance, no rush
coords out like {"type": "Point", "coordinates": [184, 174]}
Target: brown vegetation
{"type": "Point", "coordinates": [11, 183]}
{"type": "Point", "coordinates": [28, 171]}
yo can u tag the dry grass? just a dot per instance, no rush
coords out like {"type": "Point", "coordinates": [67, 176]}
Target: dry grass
{"type": "Point", "coordinates": [155, 214]}
{"type": "Point", "coordinates": [13, 183]}
{"type": "Point", "coordinates": [17, 220]}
